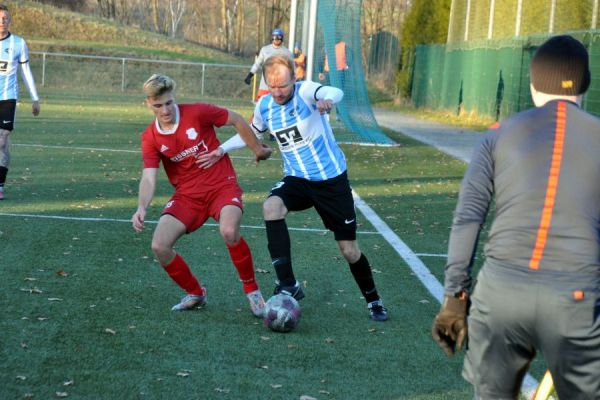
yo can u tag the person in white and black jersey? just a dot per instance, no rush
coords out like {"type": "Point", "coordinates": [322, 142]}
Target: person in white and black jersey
{"type": "Point", "coordinates": [13, 53]}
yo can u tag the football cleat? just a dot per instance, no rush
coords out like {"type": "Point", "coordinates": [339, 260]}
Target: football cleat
{"type": "Point", "coordinates": [190, 302]}
{"type": "Point", "coordinates": [377, 310]}
{"type": "Point", "coordinates": [295, 291]}
{"type": "Point", "coordinates": [257, 303]}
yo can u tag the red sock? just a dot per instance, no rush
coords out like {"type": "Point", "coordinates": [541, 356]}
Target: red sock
{"type": "Point", "coordinates": [180, 272]}
{"type": "Point", "coordinates": [242, 259]}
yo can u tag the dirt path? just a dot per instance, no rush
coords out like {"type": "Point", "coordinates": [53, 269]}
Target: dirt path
{"type": "Point", "coordinates": [455, 141]}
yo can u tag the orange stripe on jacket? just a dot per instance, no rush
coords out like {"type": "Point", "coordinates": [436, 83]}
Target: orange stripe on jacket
{"type": "Point", "coordinates": [552, 185]}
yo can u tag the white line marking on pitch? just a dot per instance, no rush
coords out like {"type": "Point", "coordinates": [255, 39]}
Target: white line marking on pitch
{"type": "Point", "coordinates": [92, 219]}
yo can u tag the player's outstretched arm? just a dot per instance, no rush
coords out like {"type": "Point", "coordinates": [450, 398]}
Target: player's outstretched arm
{"type": "Point", "coordinates": [146, 193]}
{"type": "Point", "coordinates": [260, 150]}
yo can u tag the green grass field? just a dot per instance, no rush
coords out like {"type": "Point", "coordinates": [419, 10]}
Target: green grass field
{"type": "Point", "coordinates": [85, 309]}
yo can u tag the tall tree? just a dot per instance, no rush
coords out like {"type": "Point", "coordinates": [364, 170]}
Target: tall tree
{"type": "Point", "coordinates": [177, 10]}
{"type": "Point", "coordinates": [239, 27]}
{"type": "Point", "coordinates": [155, 18]}
{"type": "Point", "coordinates": [426, 23]}
{"type": "Point", "coordinates": [224, 25]}
{"type": "Point", "coordinates": [107, 8]}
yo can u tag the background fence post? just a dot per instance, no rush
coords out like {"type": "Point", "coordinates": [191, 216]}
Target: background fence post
{"type": "Point", "coordinates": [123, 75]}
{"type": "Point", "coordinates": [202, 83]}
{"type": "Point", "coordinates": [43, 69]}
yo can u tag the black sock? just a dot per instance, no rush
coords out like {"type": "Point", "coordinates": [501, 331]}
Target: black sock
{"type": "Point", "coordinates": [3, 172]}
{"type": "Point", "coordinates": [278, 238]}
{"type": "Point", "coordinates": [361, 270]}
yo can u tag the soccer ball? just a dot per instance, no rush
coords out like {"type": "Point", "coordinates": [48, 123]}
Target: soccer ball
{"type": "Point", "coordinates": [282, 313]}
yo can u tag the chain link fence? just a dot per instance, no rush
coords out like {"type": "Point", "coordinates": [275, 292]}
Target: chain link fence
{"type": "Point", "coordinates": [497, 19]}
{"type": "Point", "coordinates": [87, 73]}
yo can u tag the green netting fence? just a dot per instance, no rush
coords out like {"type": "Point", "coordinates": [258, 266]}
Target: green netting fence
{"type": "Point", "coordinates": [337, 21]}
{"type": "Point", "coordinates": [489, 77]}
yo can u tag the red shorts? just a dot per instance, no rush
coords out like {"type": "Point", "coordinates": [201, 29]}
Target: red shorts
{"type": "Point", "coordinates": [194, 211]}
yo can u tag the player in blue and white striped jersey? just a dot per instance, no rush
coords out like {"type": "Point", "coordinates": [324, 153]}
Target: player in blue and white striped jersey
{"type": "Point", "coordinates": [314, 168]}
{"type": "Point", "coordinates": [13, 53]}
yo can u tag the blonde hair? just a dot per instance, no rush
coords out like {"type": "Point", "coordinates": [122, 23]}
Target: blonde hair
{"type": "Point", "coordinates": [157, 85]}
{"type": "Point", "coordinates": [276, 60]}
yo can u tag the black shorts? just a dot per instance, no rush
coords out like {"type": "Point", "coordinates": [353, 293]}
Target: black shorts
{"type": "Point", "coordinates": [7, 114]}
{"type": "Point", "coordinates": [331, 198]}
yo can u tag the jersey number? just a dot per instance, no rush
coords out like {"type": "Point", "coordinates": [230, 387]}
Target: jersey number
{"type": "Point", "coordinates": [288, 136]}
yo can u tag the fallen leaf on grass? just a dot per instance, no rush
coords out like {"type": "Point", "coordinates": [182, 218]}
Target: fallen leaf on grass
{"type": "Point", "coordinates": [62, 273]}
{"type": "Point", "coordinates": [265, 338]}
{"type": "Point", "coordinates": [424, 301]}
{"type": "Point", "coordinates": [329, 340]}
{"type": "Point", "coordinates": [69, 383]}
{"type": "Point", "coordinates": [42, 318]}
{"type": "Point", "coordinates": [30, 279]}
{"type": "Point", "coordinates": [221, 390]}
{"type": "Point", "coordinates": [183, 374]}
{"type": "Point", "coordinates": [376, 271]}
{"type": "Point", "coordinates": [21, 377]}
{"type": "Point", "coordinates": [324, 392]}
{"type": "Point", "coordinates": [62, 394]}
{"type": "Point", "coordinates": [262, 271]}
{"type": "Point", "coordinates": [110, 331]}
{"type": "Point", "coordinates": [305, 397]}
{"type": "Point", "coordinates": [264, 367]}
{"type": "Point", "coordinates": [24, 345]}
{"type": "Point", "coordinates": [276, 386]}
{"type": "Point", "coordinates": [33, 290]}
{"type": "Point", "coordinates": [54, 299]}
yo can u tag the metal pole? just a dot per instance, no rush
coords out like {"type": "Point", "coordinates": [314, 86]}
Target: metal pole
{"type": "Point", "coordinates": [491, 20]}
{"type": "Point", "coordinates": [311, 39]}
{"type": "Point", "coordinates": [123, 76]}
{"type": "Point", "coordinates": [451, 23]}
{"type": "Point", "coordinates": [466, 37]}
{"type": "Point", "coordinates": [44, 69]}
{"type": "Point", "coordinates": [202, 82]}
{"type": "Point", "coordinates": [305, 22]}
{"type": "Point", "coordinates": [552, 15]}
{"type": "Point", "coordinates": [293, 16]}
{"type": "Point", "coordinates": [518, 21]}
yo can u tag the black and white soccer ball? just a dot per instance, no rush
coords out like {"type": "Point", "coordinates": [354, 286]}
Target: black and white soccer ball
{"type": "Point", "coordinates": [282, 313]}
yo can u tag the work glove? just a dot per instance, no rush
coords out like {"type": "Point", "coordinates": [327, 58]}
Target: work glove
{"type": "Point", "coordinates": [249, 78]}
{"type": "Point", "coordinates": [449, 328]}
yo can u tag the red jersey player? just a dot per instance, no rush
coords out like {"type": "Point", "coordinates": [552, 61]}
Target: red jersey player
{"type": "Point", "coordinates": [180, 134]}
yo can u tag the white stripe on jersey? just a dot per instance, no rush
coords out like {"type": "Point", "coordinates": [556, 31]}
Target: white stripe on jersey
{"type": "Point", "coordinates": [327, 127]}
{"type": "Point", "coordinates": [318, 161]}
